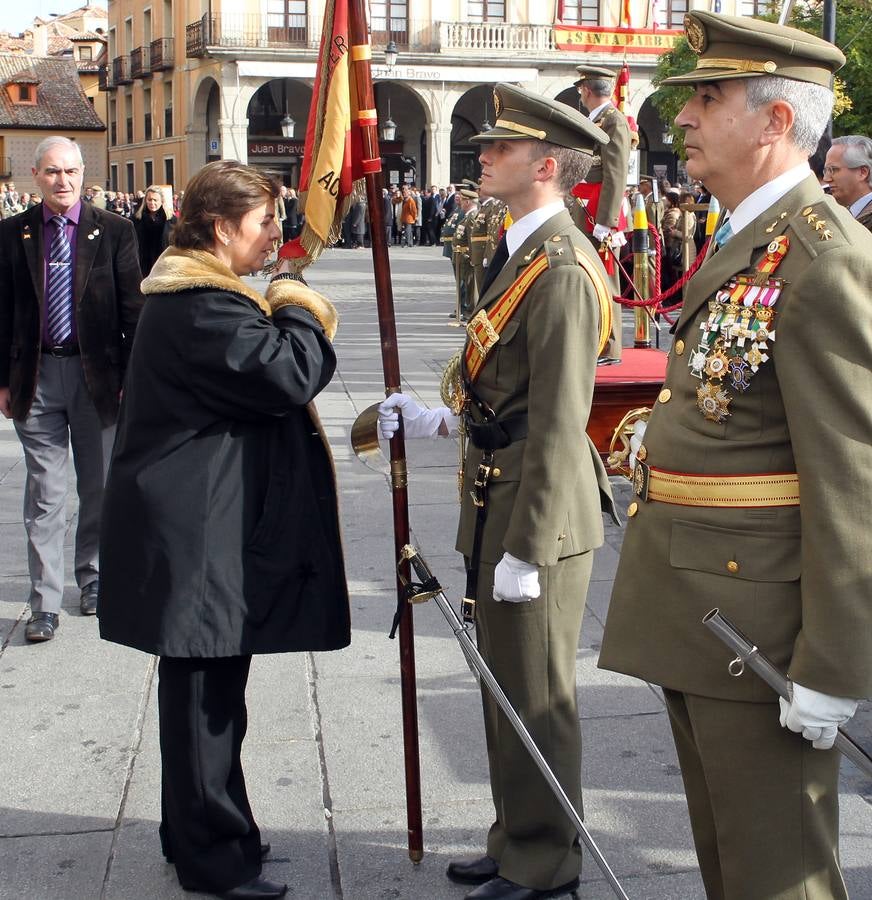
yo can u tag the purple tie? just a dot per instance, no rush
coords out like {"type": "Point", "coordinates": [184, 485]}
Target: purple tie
{"type": "Point", "coordinates": [59, 288]}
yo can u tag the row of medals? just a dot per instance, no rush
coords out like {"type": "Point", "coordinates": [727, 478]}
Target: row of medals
{"type": "Point", "coordinates": [734, 342]}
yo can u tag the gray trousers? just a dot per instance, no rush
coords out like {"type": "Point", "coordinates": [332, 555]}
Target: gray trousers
{"type": "Point", "coordinates": [62, 414]}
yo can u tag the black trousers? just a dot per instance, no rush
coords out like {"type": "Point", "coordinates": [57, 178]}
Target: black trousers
{"type": "Point", "coordinates": [207, 827]}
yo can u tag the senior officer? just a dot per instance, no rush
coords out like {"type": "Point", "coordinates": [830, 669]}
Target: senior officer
{"type": "Point", "coordinates": [528, 529]}
{"type": "Point", "coordinates": [609, 174]}
{"type": "Point", "coordinates": [848, 172]}
{"type": "Point", "coordinates": [764, 405]}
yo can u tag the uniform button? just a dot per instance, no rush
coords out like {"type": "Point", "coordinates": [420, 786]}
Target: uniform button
{"type": "Point", "coordinates": [732, 566]}
{"type": "Point", "coordinates": [561, 537]}
{"type": "Point", "coordinates": [642, 453]}
{"type": "Point", "coordinates": [497, 472]}
{"type": "Point", "coordinates": [679, 347]}
{"type": "Point", "coordinates": [632, 509]}
{"type": "Point", "coordinates": [665, 395]}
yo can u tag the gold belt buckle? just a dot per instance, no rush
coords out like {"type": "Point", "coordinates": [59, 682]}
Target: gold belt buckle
{"type": "Point", "coordinates": [467, 609]}
{"type": "Point", "coordinates": [480, 320]}
{"type": "Point", "coordinates": [482, 477]}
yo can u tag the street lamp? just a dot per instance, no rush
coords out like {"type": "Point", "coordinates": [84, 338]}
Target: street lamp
{"type": "Point", "coordinates": [288, 124]}
{"type": "Point", "coordinates": [389, 126]}
{"type": "Point", "coordinates": [668, 137]}
{"type": "Point", "coordinates": [391, 54]}
{"type": "Point", "coordinates": [486, 125]}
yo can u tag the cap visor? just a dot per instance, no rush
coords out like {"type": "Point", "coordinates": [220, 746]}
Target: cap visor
{"type": "Point", "coordinates": [499, 134]}
{"type": "Point", "coordinates": [698, 76]}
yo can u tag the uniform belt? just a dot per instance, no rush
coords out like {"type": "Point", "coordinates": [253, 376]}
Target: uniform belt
{"type": "Point", "coordinates": [497, 433]}
{"type": "Point", "coordinates": [725, 491]}
{"type": "Point", "coordinates": [60, 350]}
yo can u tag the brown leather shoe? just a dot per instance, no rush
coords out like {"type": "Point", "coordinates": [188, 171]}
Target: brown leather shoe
{"type": "Point", "coordinates": [88, 600]}
{"type": "Point", "coordinates": [41, 626]}
{"type": "Point", "coordinates": [473, 871]}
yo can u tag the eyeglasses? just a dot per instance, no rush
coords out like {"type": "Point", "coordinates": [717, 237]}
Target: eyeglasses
{"type": "Point", "coordinates": [829, 171]}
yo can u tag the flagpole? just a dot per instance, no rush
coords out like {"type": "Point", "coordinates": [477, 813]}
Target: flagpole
{"type": "Point", "coordinates": [361, 53]}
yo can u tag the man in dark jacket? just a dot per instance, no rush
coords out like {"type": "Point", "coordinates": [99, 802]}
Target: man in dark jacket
{"type": "Point", "coordinates": [68, 307]}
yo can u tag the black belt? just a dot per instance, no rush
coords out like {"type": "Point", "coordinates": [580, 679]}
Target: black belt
{"type": "Point", "coordinates": [60, 350]}
{"type": "Point", "coordinates": [497, 433]}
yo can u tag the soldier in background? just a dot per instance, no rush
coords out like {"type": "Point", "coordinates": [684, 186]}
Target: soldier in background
{"type": "Point", "coordinates": [463, 270]}
{"type": "Point", "coordinates": [601, 224]}
{"type": "Point", "coordinates": [446, 238]}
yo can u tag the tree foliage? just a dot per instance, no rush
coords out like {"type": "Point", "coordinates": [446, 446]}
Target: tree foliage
{"type": "Point", "coordinates": [853, 108]}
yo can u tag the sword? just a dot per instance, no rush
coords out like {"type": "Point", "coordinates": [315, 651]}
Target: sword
{"type": "Point", "coordinates": [430, 589]}
{"type": "Point", "coordinates": [747, 652]}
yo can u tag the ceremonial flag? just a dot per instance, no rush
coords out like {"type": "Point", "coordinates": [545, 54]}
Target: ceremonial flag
{"type": "Point", "coordinates": [331, 176]}
{"type": "Point", "coordinates": [620, 99]}
{"type": "Point", "coordinates": [626, 19]}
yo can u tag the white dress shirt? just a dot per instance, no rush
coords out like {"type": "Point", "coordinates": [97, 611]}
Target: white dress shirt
{"type": "Point", "coordinates": [770, 193]}
{"type": "Point", "coordinates": [526, 225]}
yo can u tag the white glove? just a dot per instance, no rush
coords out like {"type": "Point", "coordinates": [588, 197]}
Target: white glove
{"type": "Point", "coordinates": [636, 440]}
{"type": "Point", "coordinates": [618, 239]}
{"type": "Point", "coordinates": [815, 715]}
{"type": "Point", "coordinates": [601, 231]}
{"type": "Point", "coordinates": [419, 422]}
{"type": "Point", "coordinates": [515, 580]}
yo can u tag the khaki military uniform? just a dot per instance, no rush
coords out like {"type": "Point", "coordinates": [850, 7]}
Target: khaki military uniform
{"type": "Point", "coordinates": [446, 236]}
{"type": "Point", "coordinates": [796, 579]}
{"type": "Point", "coordinates": [463, 270]}
{"type": "Point", "coordinates": [544, 506]}
{"type": "Point", "coordinates": [610, 169]}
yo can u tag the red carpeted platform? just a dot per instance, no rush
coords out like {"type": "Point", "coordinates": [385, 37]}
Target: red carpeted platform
{"type": "Point", "coordinates": [635, 382]}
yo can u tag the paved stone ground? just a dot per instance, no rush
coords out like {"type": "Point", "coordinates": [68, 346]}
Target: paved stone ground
{"type": "Point", "coordinates": [79, 779]}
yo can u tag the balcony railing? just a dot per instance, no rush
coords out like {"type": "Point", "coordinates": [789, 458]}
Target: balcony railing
{"type": "Point", "coordinates": [478, 37]}
{"type": "Point", "coordinates": [5, 166]}
{"type": "Point", "coordinates": [249, 32]}
{"type": "Point", "coordinates": [140, 62]}
{"type": "Point", "coordinates": [121, 70]}
{"type": "Point", "coordinates": [105, 78]}
{"type": "Point", "coordinates": [162, 52]}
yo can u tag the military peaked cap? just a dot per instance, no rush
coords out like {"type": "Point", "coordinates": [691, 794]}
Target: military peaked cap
{"type": "Point", "coordinates": [593, 73]}
{"type": "Point", "coordinates": [523, 116]}
{"type": "Point", "coordinates": [731, 47]}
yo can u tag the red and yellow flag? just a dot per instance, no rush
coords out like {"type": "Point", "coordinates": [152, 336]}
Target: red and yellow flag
{"type": "Point", "coordinates": [620, 100]}
{"type": "Point", "coordinates": [331, 176]}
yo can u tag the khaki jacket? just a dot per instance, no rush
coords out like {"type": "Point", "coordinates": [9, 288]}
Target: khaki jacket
{"type": "Point", "coordinates": [611, 166]}
{"type": "Point", "coordinates": [546, 500]}
{"type": "Point", "coordinates": [797, 580]}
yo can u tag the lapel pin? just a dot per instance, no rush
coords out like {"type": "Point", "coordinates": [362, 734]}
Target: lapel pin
{"type": "Point", "coordinates": [26, 233]}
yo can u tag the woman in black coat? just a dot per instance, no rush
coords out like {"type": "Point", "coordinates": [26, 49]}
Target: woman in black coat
{"type": "Point", "coordinates": [153, 229]}
{"type": "Point", "coordinates": [220, 534]}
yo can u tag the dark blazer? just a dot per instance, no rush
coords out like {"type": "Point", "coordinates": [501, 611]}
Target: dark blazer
{"type": "Point", "coordinates": [108, 302]}
{"type": "Point", "coordinates": [220, 532]}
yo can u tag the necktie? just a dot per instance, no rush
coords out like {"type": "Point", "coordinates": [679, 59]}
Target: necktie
{"type": "Point", "coordinates": [59, 287]}
{"type": "Point", "coordinates": [723, 234]}
{"type": "Point", "coordinates": [498, 260]}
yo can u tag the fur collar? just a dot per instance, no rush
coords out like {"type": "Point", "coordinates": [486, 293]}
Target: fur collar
{"type": "Point", "coordinates": [179, 270]}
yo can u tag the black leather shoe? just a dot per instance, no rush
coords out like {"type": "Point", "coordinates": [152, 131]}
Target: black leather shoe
{"type": "Point", "coordinates": [473, 871]}
{"type": "Point", "coordinates": [607, 361]}
{"type": "Point", "coordinates": [503, 889]}
{"type": "Point", "coordinates": [41, 626]}
{"type": "Point", "coordinates": [256, 889]}
{"type": "Point", "coordinates": [88, 600]}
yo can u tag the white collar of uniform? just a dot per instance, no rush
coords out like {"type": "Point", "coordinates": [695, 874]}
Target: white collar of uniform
{"type": "Point", "coordinates": [526, 225]}
{"type": "Point", "coordinates": [859, 205]}
{"type": "Point", "coordinates": [768, 195]}
{"type": "Point", "coordinates": [595, 112]}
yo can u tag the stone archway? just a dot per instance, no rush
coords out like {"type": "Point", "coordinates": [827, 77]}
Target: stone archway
{"type": "Point", "coordinates": [473, 113]}
{"type": "Point", "coordinates": [655, 151]}
{"type": "Point", "coordinates": [404, 159]}
{"type": "Point", "coordinates": [270, 104]}
{"type": "Point", "coordinates": [204, 134]}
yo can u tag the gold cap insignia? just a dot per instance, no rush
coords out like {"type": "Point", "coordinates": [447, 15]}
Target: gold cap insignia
{"type": "Point", "coordinates": [498, 106]}
{"type": "Point", "coordinates": [770, 66]}
{"type": "Point", "coordinates": [695, 34]}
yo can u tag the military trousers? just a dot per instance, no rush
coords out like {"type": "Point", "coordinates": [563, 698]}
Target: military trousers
{"type": "Point", "coordinates": [531, 649]}
{"type": "Point", "coordinates": [763, 803]}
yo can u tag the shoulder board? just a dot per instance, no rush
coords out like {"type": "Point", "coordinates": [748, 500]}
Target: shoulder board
{"type": "Point", "coordinates": [817, 229]}
{"type": "Point", "coordinates": [559, 251]}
